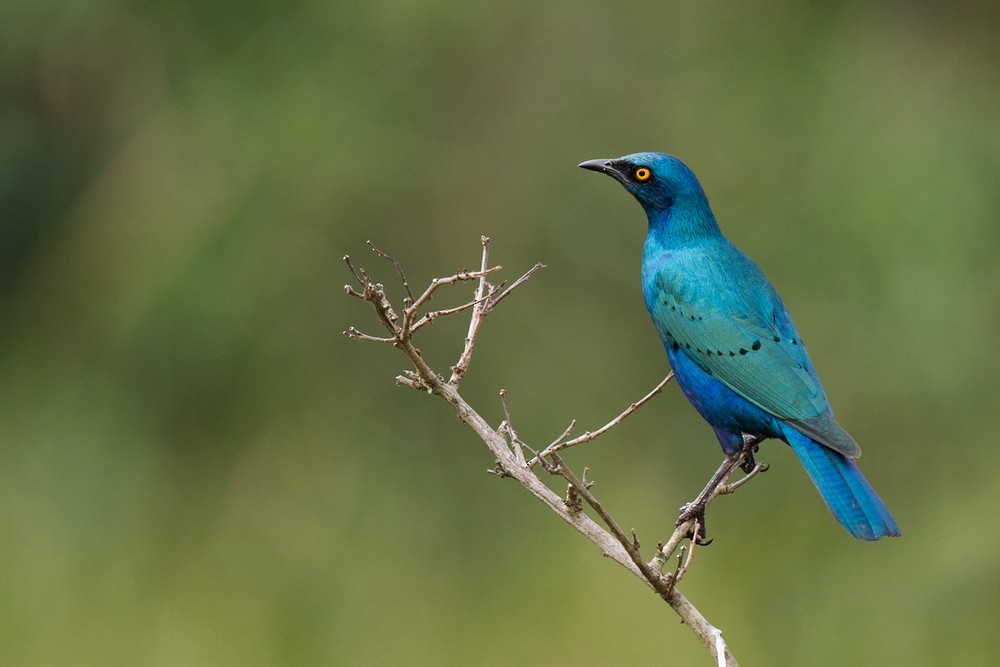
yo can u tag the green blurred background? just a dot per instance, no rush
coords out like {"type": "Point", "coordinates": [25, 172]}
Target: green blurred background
{"type": "Point", "coordinates": [197, 468]}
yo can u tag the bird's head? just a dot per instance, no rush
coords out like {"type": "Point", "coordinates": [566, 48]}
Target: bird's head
{"type": "Point", "coordinates": [655, 179]}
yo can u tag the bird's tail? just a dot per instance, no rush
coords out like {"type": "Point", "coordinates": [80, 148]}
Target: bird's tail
{"type": "Point", "coordinates": [844, 489]}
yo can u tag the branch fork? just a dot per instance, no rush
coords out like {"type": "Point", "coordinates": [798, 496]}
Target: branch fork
{"type": "Point", "coordinates": [509, 449]}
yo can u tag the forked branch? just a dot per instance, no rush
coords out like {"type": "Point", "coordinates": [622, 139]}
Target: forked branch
{"type": "Point", "coordinates": [508, 448]}
{"type": "Point", "coordinates": [561, 443]}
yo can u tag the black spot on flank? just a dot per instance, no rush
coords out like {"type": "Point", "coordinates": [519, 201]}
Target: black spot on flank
{"type": "Point", "coordinates": [719, 352]}
{"type": "Point", "coordinates": [697, 349]}
{"type": "Point", "coordinates": [687, 345]}
{"type": "Point", "coordinates": [731, 353]}
{"type": "Point", "coordinates": [692, 318]}
{"type": "Point", "coordinates": [777, 339]}
{"type": "Point", "coordinates": [743, 350]}
{"type": "Point", "coordinates": [755, 346]}
{"type": "Point", "coordinates": [675, 346]}
{"type": "Point", "coordinates": [673, 308]}
{"type": "Point", "coordinates": [795, 342]}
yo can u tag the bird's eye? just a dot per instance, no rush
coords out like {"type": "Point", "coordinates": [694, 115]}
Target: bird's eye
{"type": "Point", "coordinates": [642, 174]}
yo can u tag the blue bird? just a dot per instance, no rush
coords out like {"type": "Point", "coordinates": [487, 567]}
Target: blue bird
{"type": "Point", "coordinates": [731, 343]}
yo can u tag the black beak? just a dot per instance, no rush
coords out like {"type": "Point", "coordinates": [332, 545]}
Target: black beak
{"type": "Point", "coordinates": [602, 165]}
{"type": "Point", "coordinates": [605, 166]}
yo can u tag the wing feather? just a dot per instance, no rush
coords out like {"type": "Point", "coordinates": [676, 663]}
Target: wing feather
{"type": "Point", "coordinates": [741, 334]}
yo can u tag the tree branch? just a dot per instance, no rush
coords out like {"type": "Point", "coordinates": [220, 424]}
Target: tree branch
{"type": "Point", "coordinates": [508, 449]}
{"type": "Point", "coordinates": [478, 312]}
{"type": "Point", "coordinates": [561, 442]}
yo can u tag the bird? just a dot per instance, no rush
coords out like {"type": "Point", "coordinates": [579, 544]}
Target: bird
{"type": "Point", "coordinates": [731, 343]}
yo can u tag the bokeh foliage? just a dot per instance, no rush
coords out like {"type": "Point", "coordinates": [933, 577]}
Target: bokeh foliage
{"type": "Point", "coordinates": [197, 468]}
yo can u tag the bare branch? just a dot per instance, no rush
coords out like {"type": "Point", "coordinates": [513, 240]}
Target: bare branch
{"type": "Point", "coordinates": [582, 489]}
{"type": "Point", "coordinates": [515, 442]}
{"type": "Point", "coordinates": [507, 447]}
{"type": "Point", "coordinates": [402, 276]}
{"type": "Point", "coordinates": [459, 369]}
{"type": "Point", "coordinates": [375, 294]}
{"type": "Point", "coordinates": [730, 488]}
{"type": "Point", "coordinates": [357, 335]}
{"type": "Point", "coordinates": [527, 274]}
{"type": "Point", "coordinates": [684, 563]}
{"type": "Point", "coordinates": [437, 283]}
{"type": "Point", "coordinates": [550, 449]}
{"type": "Point", "coordinates": [681, 533]}
{"type": "Point", "coordinates": [347, 260]}
{"type": "Point", "coordinates": [660, 556]}
{"type": "Point", "coordinates": [710, 636]}
{"type": "Point", "coordinates": [433, 315]}
{"type": "Point", "coordinates": [559, 445]}
{"type": "Point", "coordinates": [677, 570]}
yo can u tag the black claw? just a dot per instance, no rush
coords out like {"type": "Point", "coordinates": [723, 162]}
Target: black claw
{"type": "Point", "coordinates": [700, 538]}
{"type": "Point", "coordinates": [697, 513]}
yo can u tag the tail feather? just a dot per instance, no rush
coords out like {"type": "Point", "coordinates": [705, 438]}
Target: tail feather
{"type": "Point", "coordinates": [846, 491]}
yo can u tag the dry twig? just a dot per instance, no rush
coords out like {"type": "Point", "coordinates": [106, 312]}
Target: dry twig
{"type": "Point", "coordinates": [561, 443]}
{"type": "Point", "coordinates": [508, 449]}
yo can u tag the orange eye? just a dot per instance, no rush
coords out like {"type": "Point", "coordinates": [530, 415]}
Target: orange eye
{"type": "Point", "coordinates": [642, 174]}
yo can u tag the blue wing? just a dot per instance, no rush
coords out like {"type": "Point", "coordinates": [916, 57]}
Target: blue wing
{"type": "Point", "coordinates": [717, 307]}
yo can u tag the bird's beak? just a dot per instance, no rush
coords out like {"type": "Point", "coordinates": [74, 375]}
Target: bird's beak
{"type": "Point", "coordinates": [601, 165]}
{"type": "Point", "coordinates": [604, 166]}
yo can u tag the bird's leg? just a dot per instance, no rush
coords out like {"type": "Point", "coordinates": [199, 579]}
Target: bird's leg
{"type": "Point", "coordinates": [751, 443]}
{"type": "Point", "coordinates": [744, 458]}
{"type": "Point", "coordinates": [696, 508]}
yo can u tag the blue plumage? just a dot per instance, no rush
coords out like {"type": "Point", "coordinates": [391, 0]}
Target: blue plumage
{"type": "Point", "coordinates": [731, 342]}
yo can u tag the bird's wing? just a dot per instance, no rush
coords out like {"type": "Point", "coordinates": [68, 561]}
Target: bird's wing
{"type": "Point", "coordinates": [740, 333]}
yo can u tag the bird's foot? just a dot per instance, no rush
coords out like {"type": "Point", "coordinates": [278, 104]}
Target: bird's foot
{"type": "Point", "coordinates": [751, 445]}
{"type": "Point", "coordinates": [695, 511]}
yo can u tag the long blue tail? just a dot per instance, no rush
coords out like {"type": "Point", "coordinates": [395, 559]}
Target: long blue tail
{"type": "Point", "coordinates": [846, 491]}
